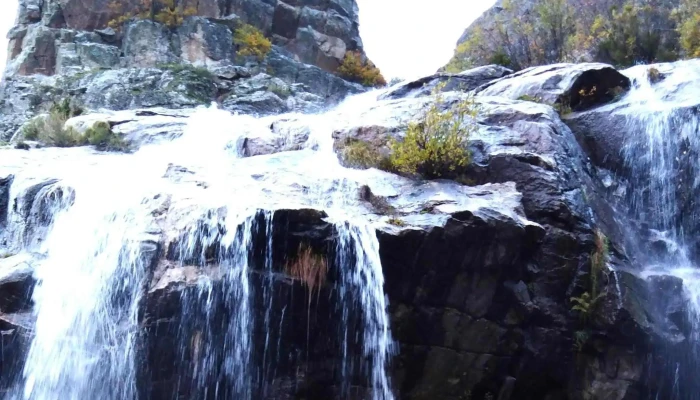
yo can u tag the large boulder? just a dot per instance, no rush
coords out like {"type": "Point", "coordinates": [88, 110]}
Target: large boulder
{"type": "Point", "coordinates": [573, 86]}
{"type": "Point", "coordinates": [147, 44]}
{"type": "Point", "coordinates": [466, 81]}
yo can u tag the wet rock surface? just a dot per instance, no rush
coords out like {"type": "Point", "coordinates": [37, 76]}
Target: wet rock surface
{"type": "Point", "coordinates": [575, 86]}
{"type": "Point", "coordinates": [479, 278]}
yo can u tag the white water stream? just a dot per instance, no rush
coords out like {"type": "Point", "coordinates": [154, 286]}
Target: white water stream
{"type": "Point", "coordinates": [92, 271]}
{"type": "Point", "coordinates": [662, 156]}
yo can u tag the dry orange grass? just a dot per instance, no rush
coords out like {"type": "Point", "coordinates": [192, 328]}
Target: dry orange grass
{"type": "Point", "coordinates": [311, 269]}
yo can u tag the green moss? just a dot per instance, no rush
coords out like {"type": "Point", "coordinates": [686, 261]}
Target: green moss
{"type": "Point", "coordinates": [103, 138]}
{"type": "Point", "coordinates": [197, 83]}
{"type": "Point", "coordinates": [282, 91]}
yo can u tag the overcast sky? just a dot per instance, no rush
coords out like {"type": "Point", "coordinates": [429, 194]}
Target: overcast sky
{"type": "Point", "coordinates": [405, 38]}
{"type": "Point", "coordinates": [413, 38]}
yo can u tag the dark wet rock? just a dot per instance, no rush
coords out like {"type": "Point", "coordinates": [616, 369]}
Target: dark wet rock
{"type": "Point", "coordinates": [5, 184]}
{"type": "Point", "coordinates": [465, 81]}
{"type": "Point", "coordinates": [16, 283]}
{"type": "Point", "coordinates": [576, 86]}
{"type": "Point", "coordinates": [15, 338]}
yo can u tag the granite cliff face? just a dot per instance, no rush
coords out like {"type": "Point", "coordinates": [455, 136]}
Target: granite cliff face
{"type": "Point", "coordinates": [64, 50]}
{"type": "Point", "coordinates": [231, 254]}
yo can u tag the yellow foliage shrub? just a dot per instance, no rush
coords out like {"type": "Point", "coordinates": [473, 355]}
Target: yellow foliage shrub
{"type": "Point", "coordinates": [164, 11]}
{"type": "Point", "coordinates": [437, 146]}
{"type": "Point", "coordinates": [355, 70]}
{"type": "Point", "coordinates": [251, 42]}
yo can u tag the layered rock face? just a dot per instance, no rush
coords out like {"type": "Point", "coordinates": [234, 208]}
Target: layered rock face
{"type": "Point", "coordinates": [317, 32]}
{"type": "Point", "coordinates": [479, 279]}
{"type": "Point", "coordinates": [63, 50]}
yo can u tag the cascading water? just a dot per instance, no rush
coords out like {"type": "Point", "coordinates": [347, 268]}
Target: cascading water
{"type": "Point", "coordinates": [661, 153]}
{"type": "Point", "coordinates": [99, 248]}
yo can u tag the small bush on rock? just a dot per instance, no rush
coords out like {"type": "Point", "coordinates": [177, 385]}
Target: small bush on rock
{"type": "Point", "coordinates": [103, 138]}
{"type": "Point", "coordinates": [586, 304]}
{"type": "Point", "coordinates": [437, 146]}
{"type": "Point", "coordinates": [354, 69]}
{"type": "Point", "coordinates": [54, 133]}
{"type": "Point", "coordinates": [162, 11]}
{"type": "Point", "coordinates": [396, 222]}
{"type": "Point", "coordinates": [362, 155]}
{"type": "Point", "coordinates": [32, 129]}
{"type": "Point", "coordinates": [251, 42]}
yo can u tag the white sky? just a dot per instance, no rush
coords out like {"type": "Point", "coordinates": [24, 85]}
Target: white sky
{"type": "Point", "coordinates": [404, 38]}
{"type": "Point", "coordinates": [413, 38]}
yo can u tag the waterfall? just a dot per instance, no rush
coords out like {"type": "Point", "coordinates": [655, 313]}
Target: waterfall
{"type": "Point", "coordinates": [661, 150]}
{"type": "Point", "coordinates": [98, 250]}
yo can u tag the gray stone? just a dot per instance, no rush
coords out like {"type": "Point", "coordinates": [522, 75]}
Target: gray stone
{"type": "Point", "coordinates": [95, 55]}
{"type": "Point", "coordinates": [257, 103]}
{"type": "Point", "coordinates": [466, 81]}
{"type": "Point", "coordinates": [147, 44]}
{"type": "Point", "coordinates": [577, 86]}
{"type": "Point", "coordinates": [203, 42]}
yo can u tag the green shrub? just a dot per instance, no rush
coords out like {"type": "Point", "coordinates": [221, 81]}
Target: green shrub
{"type": "Point", "coordinates": [362, 155]}
{"type": "Point", "coordinates": [501, 58]}
{"type": "Point", "coordinates": [437, 146]}
{"type": "Point", "coordinates": [354, 69]}
{"type": "Point", "coordinates": [103, 138]}
{"type": "Point", "coordinates": [54, 133]}
{"type": "Point", "coordinates": [50, 129]}
{"type": "Point", "coordinates": [587, 303]}
{"type": "Point", "coordinates": [688, 19]}
{"type": "Point", "coordinates": [32, 129]}
{"type": "Point", "coordinates": [251, 42]}
{"type": "Point", "coordinates": [66, 108]}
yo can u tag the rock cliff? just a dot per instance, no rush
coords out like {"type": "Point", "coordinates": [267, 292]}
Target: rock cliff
{"type": "Point", "coordinates": [65, 50]}
{"type": "Point", "coordinates": [488, 288]}
{"type": "Point", "coordinates": [479, 279]}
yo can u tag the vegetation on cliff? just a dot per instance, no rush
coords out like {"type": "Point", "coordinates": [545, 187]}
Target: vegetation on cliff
{"type": "Point", "coordinates": [525, 34]}
{"type": "Point", "coordinates": [251, 42]}
{"type": "Point", "coordinates": [164, 11]}
{"type": "Point", "coordinates": [355, 69]}
{"type": "Point", "coordinates": [51, 130]}
{"type": "Point", "coordinates": [436, 147]}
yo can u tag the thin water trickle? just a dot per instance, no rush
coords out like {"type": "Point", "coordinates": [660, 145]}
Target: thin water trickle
{"type": "Point", "coordinates": [661, 151]}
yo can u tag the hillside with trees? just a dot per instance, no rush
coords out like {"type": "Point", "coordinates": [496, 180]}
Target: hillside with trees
{"type": "Point", "coordinates": [524, 33]}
